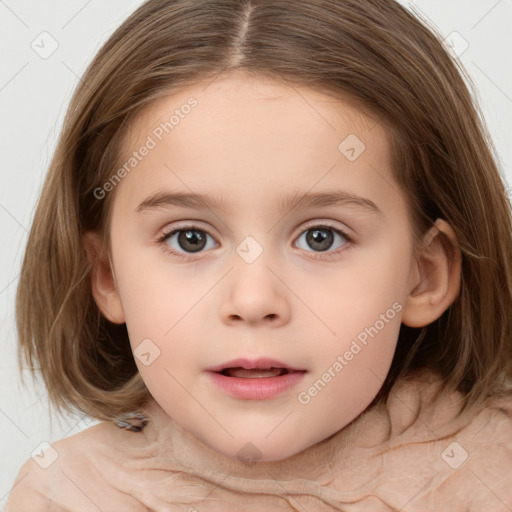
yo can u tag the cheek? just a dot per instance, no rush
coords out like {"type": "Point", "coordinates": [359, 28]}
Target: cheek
{"type": "Point", "coordinates": [353, 372]}
{"type": "Point", "coordinates": [355, 297]}
{"type": "Point", "coordinates": [156, 296]}
{"type": "Point", "coordinates": [161, 313]}
{"type": "Point", "coordinates": [365, 313]}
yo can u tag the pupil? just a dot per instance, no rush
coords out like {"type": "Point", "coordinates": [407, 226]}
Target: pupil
{"type": "Point", "coordinates": [191, 240]}
{"type": "Point", "coordinates": [324, 237]}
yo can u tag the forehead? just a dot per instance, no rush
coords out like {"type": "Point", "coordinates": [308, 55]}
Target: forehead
{"type": "Point", "coordinates": [243, 133]}
{"type": "Point", "coordinates": [274, 106]}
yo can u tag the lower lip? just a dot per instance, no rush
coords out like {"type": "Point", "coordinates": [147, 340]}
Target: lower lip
{"type": "Point", "coordinates": [261, 388]}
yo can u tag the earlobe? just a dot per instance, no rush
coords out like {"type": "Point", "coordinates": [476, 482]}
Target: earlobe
{"type": "Point", "coordinates": [103, 283]}
{"type": "Point", "coordinates": [436, 280]}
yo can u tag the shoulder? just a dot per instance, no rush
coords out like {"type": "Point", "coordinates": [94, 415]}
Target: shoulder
{"type": "Point", "coordinates": [477, 459]}
{"type": "Point", "coordinates": [74, 473]}
{"type": "Point", "coordinates": [27, 492]}
{"type": "Point", "coordinates": [446, 457]}
{"type": "Point", "coordinates": [483, 427]}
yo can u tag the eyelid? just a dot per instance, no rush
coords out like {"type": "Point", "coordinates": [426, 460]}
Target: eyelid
{"type": "Point", "coordinates": [166, 234]}
{"type": "Point", "coordinates": [303, 227]}
{"type": "Point", "coordinates": [183, 226]}
{"type": "Point", "coordinates": [343, 229]}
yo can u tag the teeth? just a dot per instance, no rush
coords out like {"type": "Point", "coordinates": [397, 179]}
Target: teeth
{"type": "Point", "coordinates": [256, 373]}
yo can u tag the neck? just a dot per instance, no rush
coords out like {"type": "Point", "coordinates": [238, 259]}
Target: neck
{"type": "Point", "coordinates": [187, 451]}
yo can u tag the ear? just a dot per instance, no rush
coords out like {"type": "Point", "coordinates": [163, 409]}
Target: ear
{"type": "Point", "coordinates": [436, 278]}
{"type": "Point", "coordinates": [103, 283]}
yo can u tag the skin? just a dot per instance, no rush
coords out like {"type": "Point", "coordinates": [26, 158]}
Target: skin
{"type": "Point", "coordinates": [253, 143]}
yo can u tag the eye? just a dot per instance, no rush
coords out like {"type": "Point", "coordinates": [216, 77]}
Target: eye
{"type": "Point", "coordinates": [322, 237]}
{"type": "Point", "coordinates": [190, 239]}
{"type": "Point", "coordinates": [185, 241]}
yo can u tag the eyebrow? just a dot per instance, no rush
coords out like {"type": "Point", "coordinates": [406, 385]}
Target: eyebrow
{"type": "Point", "coordinates": [308, 199]}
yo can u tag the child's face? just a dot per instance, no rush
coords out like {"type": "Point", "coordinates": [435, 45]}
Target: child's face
{"type": "Point", "coordinates": [261, 280]}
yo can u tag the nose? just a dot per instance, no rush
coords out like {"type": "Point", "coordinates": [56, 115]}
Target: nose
{"type": "Point", "coordinates": [255, 295]}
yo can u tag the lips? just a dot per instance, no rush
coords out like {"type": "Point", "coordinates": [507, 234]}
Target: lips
{"type": "Point", "coordinates": [255, 379]}
{"type": "Point", "coordinates": [256, 373]}
{"type": "Point", "coordinates": [254, 368]}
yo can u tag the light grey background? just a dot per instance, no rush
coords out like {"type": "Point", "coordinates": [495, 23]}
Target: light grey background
{"type": "Point", "coordinates": [34, 93]}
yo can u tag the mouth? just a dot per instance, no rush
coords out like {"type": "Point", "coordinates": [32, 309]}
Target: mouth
{"type": "Point", "coordinates": [246, 368]}
{"type": "Point", "coordinates": [254, 373]}
{"type": "Point", "coordinates": [255, 379]}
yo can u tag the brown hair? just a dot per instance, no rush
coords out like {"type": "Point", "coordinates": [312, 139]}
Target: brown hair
{"type": "Point", "coordinates": [373, 52]}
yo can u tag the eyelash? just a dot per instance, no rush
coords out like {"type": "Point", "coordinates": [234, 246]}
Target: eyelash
{"type": "Point", "coordinates": [315, 255]}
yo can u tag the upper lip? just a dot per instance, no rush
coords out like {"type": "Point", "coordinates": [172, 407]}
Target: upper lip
{"type": "Point", "coordinates": [249, 364]}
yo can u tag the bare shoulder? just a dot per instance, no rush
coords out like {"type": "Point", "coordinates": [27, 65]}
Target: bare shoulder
{"type": "Point", "coordinates": [27, 493]}
{"type": "Point", "coordinates": [74, 473]}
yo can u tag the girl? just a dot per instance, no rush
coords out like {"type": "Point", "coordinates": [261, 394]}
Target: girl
{"type": "Point", "coordinates": [277, 266]}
